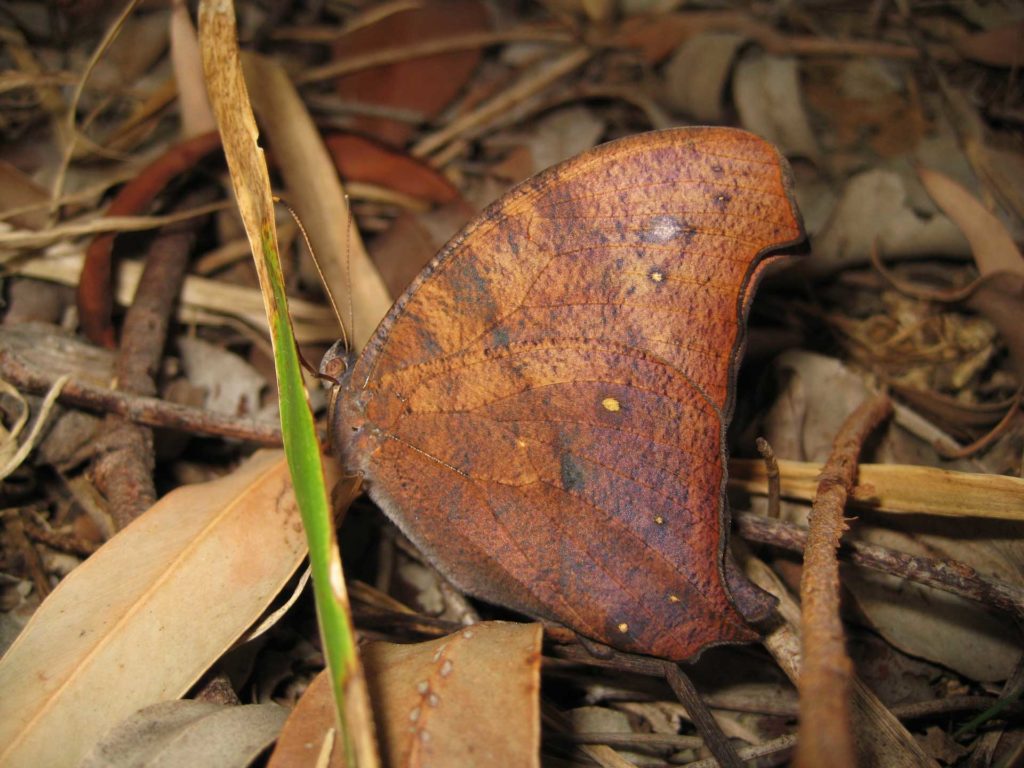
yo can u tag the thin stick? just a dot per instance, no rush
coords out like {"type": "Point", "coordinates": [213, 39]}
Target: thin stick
{"type": "Point", "coordinates": [948, 575]}
{"type": "Point", "coordinates": [681, 685]}
{"type": "Point", "coordinates": [526, 87]}
{"type": "Point", "coordinates": [151, 411]}
{"type": "Point", "coordinates": [701, 716]}
{"type": "Point", "coordinates": [386, 56]}
{"type": "Point", "coordinates": [754, 751]}
{"type": "Point", "coordinates": [826, 735]}
{"type": "Point", "coordinates": [63, 542]}
{"type": "Point", "coordinates": [123, 468]}
{"type": "Point", "coordinates": [71, 136]}
{"type": "Point", "coordinates": [984, 441]}
{"type": "Point", "coordinates": [626, 740]}
{"type": "Point", "coordinates": [30, 555]}
{"type": "Point", "coordinates": [771, 471]}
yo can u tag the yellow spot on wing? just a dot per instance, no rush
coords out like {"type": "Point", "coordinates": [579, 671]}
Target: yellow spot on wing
{"type": "Point", "coordinates": [657, 276]}
{"type": "Point", "coordinates": [623, 627]}
{"type": "Point", "coordinates": [611, 404]}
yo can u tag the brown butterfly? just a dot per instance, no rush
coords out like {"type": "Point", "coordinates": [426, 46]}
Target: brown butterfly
{"type": "Point", "coordinates": [543, 411]}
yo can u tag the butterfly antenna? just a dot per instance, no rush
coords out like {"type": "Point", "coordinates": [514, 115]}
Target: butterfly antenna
{"type": "Point", "coordinates": [319, 271]}
{"type": "Point", "coordinates": [317, 373]}
{"type": "Point", "coordinates": [348, 265]}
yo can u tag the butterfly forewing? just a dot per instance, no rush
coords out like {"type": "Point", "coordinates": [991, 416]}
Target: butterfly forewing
{"type": "Point", "coordinates": [543, 412]}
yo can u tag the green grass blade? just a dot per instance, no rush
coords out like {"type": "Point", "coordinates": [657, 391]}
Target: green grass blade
{"type": "Point", "coordinates": [251, 183]}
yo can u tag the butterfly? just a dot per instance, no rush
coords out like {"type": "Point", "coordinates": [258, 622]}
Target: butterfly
{"type": "Point", "coordinates": [543, 411]}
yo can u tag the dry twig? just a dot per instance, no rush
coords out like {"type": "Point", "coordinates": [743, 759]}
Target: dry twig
{"type": "Point", "coordinates": [826, 736]}
{"type": "Point", "coordinates": [140, 409]}
{"type": "Point", "coordinates": [124, 469]}
{"type": "Point", "coordinates": [950, 576]}
{"type": "Point", "coordinates": [771, 470]}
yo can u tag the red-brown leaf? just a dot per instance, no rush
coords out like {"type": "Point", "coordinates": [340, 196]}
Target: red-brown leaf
{"type": "Point", "coordinates": [425, 84]}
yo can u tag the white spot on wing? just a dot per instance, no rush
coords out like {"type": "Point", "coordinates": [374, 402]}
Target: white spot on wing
{"type": "Point", "coordinates": [663, 229]}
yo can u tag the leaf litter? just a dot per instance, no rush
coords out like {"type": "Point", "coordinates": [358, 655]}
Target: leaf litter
{"type": "Point", "coordinates": [900, 121]}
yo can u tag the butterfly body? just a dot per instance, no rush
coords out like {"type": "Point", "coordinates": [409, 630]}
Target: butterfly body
{"type": "Point", "coordinates": [543, 412]}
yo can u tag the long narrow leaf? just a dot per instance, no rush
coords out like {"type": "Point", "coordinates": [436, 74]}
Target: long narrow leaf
{"type": "Point", "coordinates": [251, 184]}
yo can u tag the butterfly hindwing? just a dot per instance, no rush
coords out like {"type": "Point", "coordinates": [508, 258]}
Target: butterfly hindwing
{"type": "Point", "coordinates": [543, 412]}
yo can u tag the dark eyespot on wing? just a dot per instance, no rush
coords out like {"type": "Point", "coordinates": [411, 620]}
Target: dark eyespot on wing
{"type": "Point", "coordinates": [572, 473]}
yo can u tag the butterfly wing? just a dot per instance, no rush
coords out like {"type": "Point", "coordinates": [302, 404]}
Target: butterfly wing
{"type": "Point", "coordinates": [543, 412]}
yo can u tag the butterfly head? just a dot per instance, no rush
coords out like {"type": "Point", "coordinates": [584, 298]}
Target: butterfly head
{"type": "Point", "coordinates": [335, 369]}
{"type": "Point", "coordinates": [336, 362]}
{"type": "Point", "coordinates": [346, 423]}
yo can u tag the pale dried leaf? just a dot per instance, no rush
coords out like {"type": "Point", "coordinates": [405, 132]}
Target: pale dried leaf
{"type": "Point", "coordinates": [11, 454]}
{"type": "Point", "coordinates": [992, 246]}
{"type": "Point", "coordinates": [200, 297]}
{"type": "Point", "coordinates": [994, 250]}
{"type": "Point", "coordinates": [232, 385]}
{"type": "Point", "coordinates": [816, 200]}
{"type": "Point", "coordinates": [562, 134]}
{"type": "Point", "coordinates": [187, 733]}
{"type": "Point", "coordinates": [135, 50]}
{"type": "Point", "coordinates": [930, 623]}
{"type": "Point", "coordinates": [468, 699]}
{"type": "Point", "coordinates": [1001, 300]}
{"type": "Point", "coordinates": [148, 613]}
{"type": "Point", "coordinates": [18, 192]}
{"type": "Point", "coordinates": [767, 93]}
{"type": "Point", "coordinates": [874, 210]}
{"type": "Point", "coordinates": [451, 683]}
{"type": "Point", "coordinates": [604, 720]}
{"type": "Point", "coordinates": [1003, 173]}
{"type": "Point", "coordinates": [698, 72]}
{"type": "Point", "coordinates": [193, 105]}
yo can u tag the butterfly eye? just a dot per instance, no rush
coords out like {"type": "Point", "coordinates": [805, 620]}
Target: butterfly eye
{"type": "Point", "coordinates": [335, 362]}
